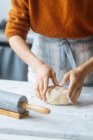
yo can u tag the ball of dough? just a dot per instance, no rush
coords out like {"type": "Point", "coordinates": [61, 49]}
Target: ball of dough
{"type": "Point", "coordinates": [57, 95]}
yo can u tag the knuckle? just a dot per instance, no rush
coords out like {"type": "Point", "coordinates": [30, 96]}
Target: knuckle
{"type": "Point", "coordinates": [46, 77]}
{"type": "Point", "coordinates": [53, 75]}
{"type": "Point", "coordinates": [40, 79]}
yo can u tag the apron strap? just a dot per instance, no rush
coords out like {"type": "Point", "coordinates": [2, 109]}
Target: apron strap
{"type": "Point", "coordinates": [66, 51]}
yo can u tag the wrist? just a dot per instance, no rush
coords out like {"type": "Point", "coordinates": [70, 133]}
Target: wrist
{"type": "Point", "coordinates": [87, 67]}
{"type": "Point", "coordinates": [83, 69]}
{"type": "Point", "coordinates": [36, 63]}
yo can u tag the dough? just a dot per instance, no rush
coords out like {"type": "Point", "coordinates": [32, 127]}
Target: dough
{"type": "Point", "coordinates": [57, 96]}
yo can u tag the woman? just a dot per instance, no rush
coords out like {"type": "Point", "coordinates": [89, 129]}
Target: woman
{"type": "Point", "coordinates": [62, 48]}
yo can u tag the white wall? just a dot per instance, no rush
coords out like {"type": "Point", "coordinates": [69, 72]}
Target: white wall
{"type": "Point", "coordinates": [4, 8]}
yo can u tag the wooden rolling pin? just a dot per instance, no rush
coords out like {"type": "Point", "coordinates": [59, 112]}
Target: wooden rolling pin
{"type": "Point", "coordinates": [18, 103]}
{"type": "Point", "coordinates": [39, 109]}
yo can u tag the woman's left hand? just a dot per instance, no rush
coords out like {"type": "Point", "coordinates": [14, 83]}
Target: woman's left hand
{"type": "Point", "coordinates": [76, 79]}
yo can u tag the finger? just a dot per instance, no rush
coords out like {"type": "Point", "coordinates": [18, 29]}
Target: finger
{"type": "Point", "coordinates": [65, 79]}
{"type": "Point", "coordinates": [71, 87]}
{"type": "Point", "coordinates": [77, 95]}
{"type": "Point", "coordinates": [74, 94]}
{"type": "Point", "coordinates": [41, 87]}
{"type": "Point", "coordinates": [37, 92]}
{"type": "Point", "coordinates": [54, 79]}
{"type": "Point", "coordinates": [45, 88]}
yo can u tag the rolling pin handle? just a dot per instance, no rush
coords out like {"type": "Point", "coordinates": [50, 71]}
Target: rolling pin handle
{"type": "Point", "coordinates": [39, 109]}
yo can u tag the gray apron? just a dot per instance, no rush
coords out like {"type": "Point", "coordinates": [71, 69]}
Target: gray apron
{"type": "Point", "coordinates": [62, 55]}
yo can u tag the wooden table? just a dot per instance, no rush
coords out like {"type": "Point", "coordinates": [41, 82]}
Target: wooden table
{"type": "Point", "coordinates": [74, 122]}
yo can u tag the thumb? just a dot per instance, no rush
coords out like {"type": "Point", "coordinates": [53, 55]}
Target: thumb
{"type": "Point", "coordinates": [72, 80]}
{"type": "Point", "coordinates": [54, 79]}
{"type": "Point", "coordinates": [65, 79]}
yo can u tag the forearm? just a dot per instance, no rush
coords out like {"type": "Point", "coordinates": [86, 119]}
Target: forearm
{"type": "Point", "coordinates": [87, 67]}
{"type": "Point", "coordinates": [20, 47]}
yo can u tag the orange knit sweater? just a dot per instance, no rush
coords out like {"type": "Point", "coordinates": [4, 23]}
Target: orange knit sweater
{"type": "Point", "coordinates": [52, 18]}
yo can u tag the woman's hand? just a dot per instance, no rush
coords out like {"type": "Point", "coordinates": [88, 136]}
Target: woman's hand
{"type": "Point", "coordinates": [43, 73]}
{"type": "Point", "coordinates": [76, 79]}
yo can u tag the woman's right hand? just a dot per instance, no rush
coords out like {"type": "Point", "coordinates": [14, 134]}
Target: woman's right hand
{"type": "Point", "coordinates": [43, 73]}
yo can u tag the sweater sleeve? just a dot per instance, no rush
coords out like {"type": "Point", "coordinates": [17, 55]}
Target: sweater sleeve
{"type": "Point", "coordinates": [18, 20]}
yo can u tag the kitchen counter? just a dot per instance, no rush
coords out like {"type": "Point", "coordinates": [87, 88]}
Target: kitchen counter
{"type": "Point", "coordinates": [73, 122]}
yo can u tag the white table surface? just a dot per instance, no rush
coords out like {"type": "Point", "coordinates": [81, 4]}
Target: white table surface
{"type": "Point", "coordinates": [74, 122]}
